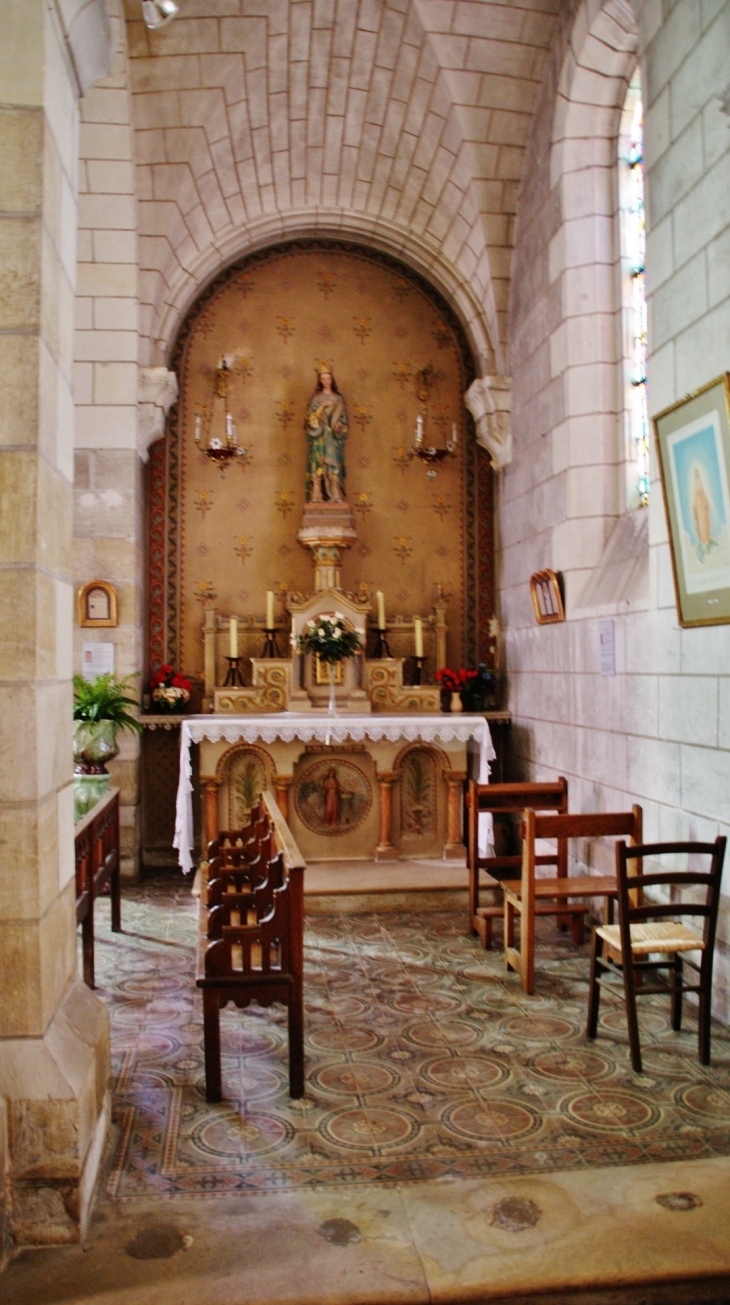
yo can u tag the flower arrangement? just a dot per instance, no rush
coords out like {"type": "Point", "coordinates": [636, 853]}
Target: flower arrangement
{"type": "Point", "coordinates": [170, 690]}
{"type": "Point", "coordinates": [330, 639]}
{"type": "Point", "coordinates": [477, 688]}
{"type": "Point", "coordinates": [454, 681]}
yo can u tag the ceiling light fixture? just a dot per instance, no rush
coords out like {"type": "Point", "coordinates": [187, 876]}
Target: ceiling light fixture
{"type": "Point", "coordinates": [157, 13]}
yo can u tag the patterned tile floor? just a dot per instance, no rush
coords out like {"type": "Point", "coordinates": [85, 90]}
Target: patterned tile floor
{"type": "Point", "coordinates": [423, 1059]}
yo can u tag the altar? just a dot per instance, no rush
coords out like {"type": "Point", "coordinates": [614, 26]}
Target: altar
{"type": "Point", "coordinates": [370, 786]}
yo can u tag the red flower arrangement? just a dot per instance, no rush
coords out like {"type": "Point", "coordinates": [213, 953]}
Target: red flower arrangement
{"type": "Point", "coordinates": [170, 690]}
{"type": "Point", "coordinates": [455, 681]}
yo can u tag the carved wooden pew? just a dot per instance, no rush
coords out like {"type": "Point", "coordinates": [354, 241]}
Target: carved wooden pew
{"type": "Point", "coordinates": [96, 846]}
{"type": "Point", "coordinates": [251, 943]}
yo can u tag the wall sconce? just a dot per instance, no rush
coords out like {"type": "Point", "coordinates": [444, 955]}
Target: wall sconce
{"type": "Point", "coordinates": [428, 453]}
{"type": "Point", "coordinates": [157, 13]}
{"type": "Point", "coordinates": [223, 448]}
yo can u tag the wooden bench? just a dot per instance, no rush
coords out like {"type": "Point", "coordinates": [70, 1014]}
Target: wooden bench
{"type": "Point", "coordinates": [96, 847]}
{"type": "Point", "coordinates": [251, 945]}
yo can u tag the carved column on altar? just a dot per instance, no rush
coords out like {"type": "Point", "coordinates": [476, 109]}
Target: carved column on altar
{"type": "Point", "coordinates": [210, 814]}
{"type": "Point", "coordinates": [386, 851]}
{"type": "Point", "coordinates": [326, 529]}
{"type": "Point", "coordinates": [282, 784]}
{"type": "Point", "coordinates": [454, 845]}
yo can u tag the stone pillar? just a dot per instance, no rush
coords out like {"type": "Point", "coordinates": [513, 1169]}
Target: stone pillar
{"type": "Point", "coordinates": [282, 784]}
{"type": "Point", "coordinates": [386, 850]}
{"type": "Point", "coordinates": [54, 1047]}
{"type": "Point", "coordinates": [454, 845]}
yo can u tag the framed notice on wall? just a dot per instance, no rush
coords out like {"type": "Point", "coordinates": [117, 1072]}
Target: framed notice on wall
{"type": "Point", "coordinates": [693, 442]}
{"type": "Point", "coordinates": [97, 604]}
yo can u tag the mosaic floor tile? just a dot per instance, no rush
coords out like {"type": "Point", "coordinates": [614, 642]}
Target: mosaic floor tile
{"type": "Point", "coordinates": [423, 1060]}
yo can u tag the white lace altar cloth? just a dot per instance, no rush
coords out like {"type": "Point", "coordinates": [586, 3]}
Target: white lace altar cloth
{"type": "Point", "coordinates": [308, 727]}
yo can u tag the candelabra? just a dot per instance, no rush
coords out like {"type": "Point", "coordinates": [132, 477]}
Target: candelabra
{"type": "Point", "coordinates": [223, 450]}
{"type": "Point", "coordinates": [382, 648]}
{"type": "Point", "coordinates": [233, 676]}
{"type": "Point", "coordinates": [271, 647]}
{"type": "Point", "coordinates": [428, 453]}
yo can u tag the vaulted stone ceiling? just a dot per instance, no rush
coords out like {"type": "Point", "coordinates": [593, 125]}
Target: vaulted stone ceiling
{"type": "Point", "coordinates": [401, 121]}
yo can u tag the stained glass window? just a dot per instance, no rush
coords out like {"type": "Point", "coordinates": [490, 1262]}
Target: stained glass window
{"type": "Point", "coordinates": [631, 201]}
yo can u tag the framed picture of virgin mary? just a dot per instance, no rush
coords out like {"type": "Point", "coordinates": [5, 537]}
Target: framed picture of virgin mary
{"type": "Point", "coordinates": [693, 443]}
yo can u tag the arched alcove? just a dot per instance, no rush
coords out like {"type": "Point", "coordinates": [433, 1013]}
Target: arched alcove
{"type": "Point", "coordinates": [278, 312]}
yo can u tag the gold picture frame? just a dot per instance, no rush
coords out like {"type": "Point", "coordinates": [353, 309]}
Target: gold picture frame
{"type": "Point", "coordinates": [693, 446]}
{"type": "Point", "coordinates": [547, 600]}
{"type": "Point", "coordinates": [97, 605]}
{"type": "Point", "coordinates": [322, 671]}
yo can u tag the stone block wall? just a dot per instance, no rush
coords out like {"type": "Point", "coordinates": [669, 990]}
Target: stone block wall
{"type": "Point", "coordinates": [659, 730]}
{"type": "Point", "coordinates": [108, 496]}
{"type": "Point", "coordinates": [54, 1051]}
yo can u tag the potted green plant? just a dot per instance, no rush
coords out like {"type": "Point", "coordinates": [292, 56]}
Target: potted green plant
{"type": "Point", "coordinates": [101, 709]}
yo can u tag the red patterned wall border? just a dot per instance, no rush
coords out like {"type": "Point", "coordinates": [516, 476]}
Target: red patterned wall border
{"type": "Point", "coordinates": [485, 553]}
{"type": "Point", "coordinates": [156, 642]}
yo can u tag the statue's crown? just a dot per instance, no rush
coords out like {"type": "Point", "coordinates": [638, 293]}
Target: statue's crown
{"type": "Point", "coordinates": [323, 366]}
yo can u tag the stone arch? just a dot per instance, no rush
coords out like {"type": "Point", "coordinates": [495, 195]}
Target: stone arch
{"type": "Point", "coordinates": [377, 235]}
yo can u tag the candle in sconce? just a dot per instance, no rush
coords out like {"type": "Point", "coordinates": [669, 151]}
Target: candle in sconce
{"type": "Point", "coordinates": [418, 631]}
{"type": "Point", "coordinates": [229, 427]}
{"type": "Point", "coordinates": [233, 637]}
{"type": "Point", "coordinates": [198, 427]}
{"type": "Point", "coordinates": [269, 609]}
{"type": "Point", "coordinates": [381, 609]}
{"type": "Point", "coordinates": [419, 429]}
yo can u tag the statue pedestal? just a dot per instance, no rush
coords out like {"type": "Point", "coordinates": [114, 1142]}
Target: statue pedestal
{"type": "Point", "coordinates": [326, 529]}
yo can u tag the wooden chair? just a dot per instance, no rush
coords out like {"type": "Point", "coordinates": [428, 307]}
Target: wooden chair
{"type": "Point", "coordinates": [647, 929]}
{"type": "Point", "coordinates": [504, 799]}
{"type": "Point", "coordinates": [553, 896]}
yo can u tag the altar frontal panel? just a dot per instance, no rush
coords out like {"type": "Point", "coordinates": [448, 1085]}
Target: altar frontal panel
{"type": "Point", "coordinates": [334, 807]}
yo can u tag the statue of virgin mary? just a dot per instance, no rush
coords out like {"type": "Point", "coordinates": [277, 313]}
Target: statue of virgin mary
{"type": "Point", "coordinates": [326, 430]}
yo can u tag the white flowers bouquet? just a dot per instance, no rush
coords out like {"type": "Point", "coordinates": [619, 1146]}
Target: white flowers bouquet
{"type": "Point", "coordinates": [330, 639]}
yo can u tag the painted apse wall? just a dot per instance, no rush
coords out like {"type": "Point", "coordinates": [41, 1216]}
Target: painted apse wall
{"type": "Point", "coordinates": [659, 730]}
{"type": "Point", "coordinates": [234, 535]}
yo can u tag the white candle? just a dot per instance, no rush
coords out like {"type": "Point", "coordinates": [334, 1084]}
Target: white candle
{"type": "Point", "coordinates": [233, 636]}
{"type": "Point", "coordinates": [269, 609]}
{"type": "Point", "coordinates": [419, 429]}
{"type": "Point", "coordinates": [453, 432]}
{"type": "Point", "coordinates": [198, 425]}
{"type": "Point", "coordinates": [418, 629]}
{"type": "Point", "coordinates": [381, 609]}
{"type": "Point", "coordinates": [229, 427]}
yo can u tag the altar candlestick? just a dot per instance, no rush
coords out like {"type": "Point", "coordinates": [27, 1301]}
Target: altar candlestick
{"type": "Point", "coordinates": [233, 636]}
{"type": "Point", "coordinates": [198, 427]}
{"type": "Point", "coordinates": [381, 609]}
{"type": "Point", "coordinates": [453, 432]}
{"type": "Point", "coordinates": [418, 630]}
{"type": "Point", "coordinates": [419, 429]}
{"type": "Point", "coordinates": [269, 609]}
